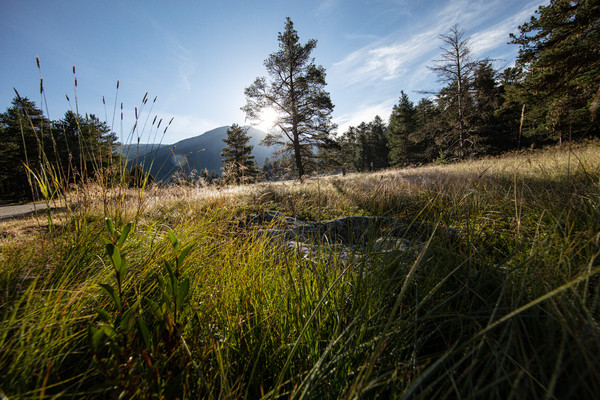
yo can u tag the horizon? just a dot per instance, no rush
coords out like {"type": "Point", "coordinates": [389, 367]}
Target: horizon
{"type": "Point", "coordinates": [198, 58]}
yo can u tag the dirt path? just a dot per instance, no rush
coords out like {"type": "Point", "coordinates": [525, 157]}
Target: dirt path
{"type": "Point", "coordinates": [20, 210]}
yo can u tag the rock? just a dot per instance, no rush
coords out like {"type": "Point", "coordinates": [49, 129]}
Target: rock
{"type": "Point", "coordinates": [270, 217]}
{"type": "Point", "coordinates": [345, 238]}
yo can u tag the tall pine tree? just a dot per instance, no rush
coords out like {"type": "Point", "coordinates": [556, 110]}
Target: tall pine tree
{"type": "Point", "coordinates": [455, 68]}
{"type": "Point", "coordinates": [297, 93]}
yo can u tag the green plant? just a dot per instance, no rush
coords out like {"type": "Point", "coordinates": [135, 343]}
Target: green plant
{"type": "Point", "coordinates": [135, 348]}
{"type": "Point", "coordinates": [115, 339]}
{"type": "Point", "coordinates": [485, 302]}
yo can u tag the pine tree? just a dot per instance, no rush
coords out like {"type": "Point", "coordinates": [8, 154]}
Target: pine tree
{"type": "Point", "coordinates": [402, 125]}
{"type": "Point", "coordinates": [365, 148]}
{"type": "Point", "coordinates": [347, 150]}
{"type": "Point", "coordinates": [456, 68]}
{"type": "Point", "coordinates": [428, 124]}
{"type": "Point", "coordinates": [86, 144]}
{"type": "Point", "coordinates": [486, 128]}
{"type": "Point", "coordinates": [379, 143]}
{"type": "Point", "coordinates": [240, 166]}
{"type": "Point", "coordinates": [296, 92]}
{"type": "Point", "coordinates": [24, 140]}
{"type": "Point", "coordinates": [511, 112]}
{"type": "Point", "coordinates": [561, 57]}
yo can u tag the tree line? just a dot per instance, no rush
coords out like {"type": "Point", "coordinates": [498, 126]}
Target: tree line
{"type": "Point", "coordinates": [73, 149]}
{"type": "Point", "coordinates": [550, 96]}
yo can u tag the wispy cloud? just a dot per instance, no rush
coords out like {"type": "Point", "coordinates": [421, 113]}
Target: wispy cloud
{"type": "Point", "coordinates": [354, 36]}
{"type": "Point", "coordinates": [498, 35]}
{"type": "Point", "coordinates": [399, 60]}
{"type": "Point", "coordinates": [186, 66]}
{"type": "Point", "coordinates": [327, 6]}
{"type": "Point", "coordinates": [384, 61]}
{"type": "Point", "coordinates": [365, 113]}
{"type": "Point", "coordinates": [401, 53]}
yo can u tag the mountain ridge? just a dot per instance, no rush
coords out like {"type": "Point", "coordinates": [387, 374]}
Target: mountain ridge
{"type": "Point", "coordinates": [196, 153]}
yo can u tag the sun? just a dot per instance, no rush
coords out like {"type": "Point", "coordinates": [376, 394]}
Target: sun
{"type": "Point", "coordinates": [268, 118]}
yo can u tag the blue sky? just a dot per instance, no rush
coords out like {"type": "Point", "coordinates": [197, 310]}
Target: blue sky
{"type": "Point", "coordinates": [197, 57]}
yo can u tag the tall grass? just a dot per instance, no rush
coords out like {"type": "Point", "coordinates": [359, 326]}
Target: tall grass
{"type": "Point", "coordinates": [505, 308]}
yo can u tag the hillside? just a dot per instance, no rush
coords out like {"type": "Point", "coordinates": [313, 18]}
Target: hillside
{"type": "Point", "coordinates": [132, 151]}
{"type": "Point", "coordinates": [199, 153]}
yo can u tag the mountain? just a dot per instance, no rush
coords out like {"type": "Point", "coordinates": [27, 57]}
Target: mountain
{"type": "Point", "coordinates": [134, 150]}
{"type": "Point", "coordinates": [199, 153]}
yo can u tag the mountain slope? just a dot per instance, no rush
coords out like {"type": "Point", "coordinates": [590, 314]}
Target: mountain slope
{"type": "Point", "coordinates": [199, 153]}
{"type": "Point", "coordinates": [134, 150]}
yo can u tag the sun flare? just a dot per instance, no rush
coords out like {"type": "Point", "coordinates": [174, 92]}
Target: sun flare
{"type": "Point", "coordinates": [268, 119]}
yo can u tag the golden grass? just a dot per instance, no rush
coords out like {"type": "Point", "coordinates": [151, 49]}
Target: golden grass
{"type": "Point", "coordinates": [527, 223]}
{"type": "Point", "coordinates": [335, 192]}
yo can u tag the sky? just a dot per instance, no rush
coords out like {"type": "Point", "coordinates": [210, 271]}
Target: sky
{"type": "Point", "coordinates": [197, 57]}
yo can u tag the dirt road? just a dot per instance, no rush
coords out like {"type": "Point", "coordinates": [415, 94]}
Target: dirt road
{"type": "Point", "coordinates": [20, 210]}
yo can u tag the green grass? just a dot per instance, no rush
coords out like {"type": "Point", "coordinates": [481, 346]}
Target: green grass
{"type": "Point", "coordinates": [507, 308]}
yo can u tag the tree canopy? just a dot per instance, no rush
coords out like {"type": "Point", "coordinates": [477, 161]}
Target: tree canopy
{"type": "Point", "coordinates": [73, 149]}
{"type": "Point", "coordinates": [560, 55]}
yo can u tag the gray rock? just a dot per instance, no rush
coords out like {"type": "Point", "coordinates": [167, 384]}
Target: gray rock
{"type": "Point", "coordinates": [344, 239]}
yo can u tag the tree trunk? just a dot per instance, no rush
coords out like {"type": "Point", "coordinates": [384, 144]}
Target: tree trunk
{"type": "Point", "coordinates": [461, 124]}
{"type": "Point", "coordinates": [298, 156]}
{"type": "Point", "coordinates": [297, 150]}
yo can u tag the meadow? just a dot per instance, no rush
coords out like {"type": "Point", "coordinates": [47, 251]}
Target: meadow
{"type": "Point", "coordinates": [160, 292]}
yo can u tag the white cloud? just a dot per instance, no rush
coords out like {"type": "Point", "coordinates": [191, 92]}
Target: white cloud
{"type": "Point", "coordinates": [327, 6]}
{"type": "Point", "coordinates": [406, 53]}
{"type": "Point", "coordinates": [186, 66]}
{"type": "Point", "coordinates": [384, 61]}
{"type": "Point", "coordinates": [399, 60]}
{"type": "Point", "coordinates": [364, 113]}
{"type": "Point", "coordinates": [498, 35]}
{"type": "Point", "coordinates": [359, 36]}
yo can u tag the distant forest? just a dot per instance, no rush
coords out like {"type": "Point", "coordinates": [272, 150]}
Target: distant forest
{"type": "Point", "coordinates": [550, 96]}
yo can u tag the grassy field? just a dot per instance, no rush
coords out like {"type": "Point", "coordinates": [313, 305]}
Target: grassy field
{"type": "Point", "coordinates": [185, 302]}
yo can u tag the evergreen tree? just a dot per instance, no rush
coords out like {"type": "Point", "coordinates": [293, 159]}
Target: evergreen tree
{"type": "Point", "coordinates": [561, 57]}
{"type": "Point", "coordinates": [511, 111]}
{"type": "Point", "coordinates": [345, 155]}
{"type": "Point", "coordinates": [365, 148]}
{"type": "Point", "coordinates": [277, 169]}
{"type": "Point", "coordinates": [379, 143]}
{"type": "Point", "coordinates": [486, 128]}
{"type": "Point", "coordinates": [25, 139]}
{"type": "Point", "coordinates": [296, 92]}
{"type": "Point", "coordinates": [428, 125]}
{"type": "Point", "coordinates": [87, 146]}
{"type": "Point", "coordinates": [455, 68]}
{"type": "Point", "coordinates": [71, 149]}
{"type": "Point", "coordinates": [402, 125]}
{"type": "Point", "coordinates": [240, 166]}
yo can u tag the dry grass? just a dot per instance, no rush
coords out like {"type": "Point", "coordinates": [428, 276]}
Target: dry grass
{"type": "Point", "coordinates": [506, 309]}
